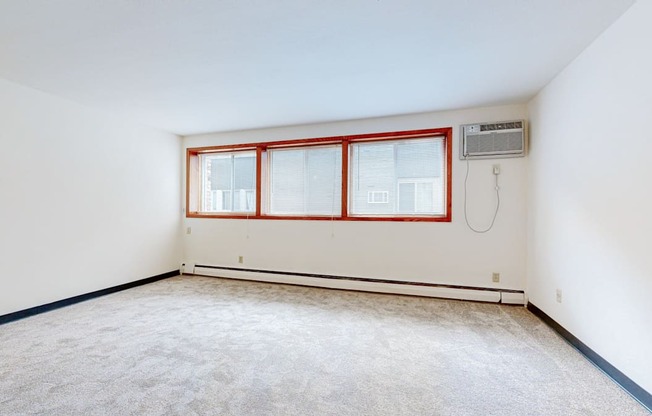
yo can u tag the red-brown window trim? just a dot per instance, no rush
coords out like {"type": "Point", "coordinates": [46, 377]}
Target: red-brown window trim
{"type": "Point", "coordinates": [193, 171]}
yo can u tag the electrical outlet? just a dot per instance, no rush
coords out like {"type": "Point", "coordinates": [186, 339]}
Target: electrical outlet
{"type": "Point", "coordinates": [558, 295]}
{"type": "Point", "coordinates": [496, 169]}
{"type": "Point", "coordinates": [495, 277]}
{"type": "Point", "coordinates": [240, 259]}
{"type": "Point", "coordinates": [189, 230]}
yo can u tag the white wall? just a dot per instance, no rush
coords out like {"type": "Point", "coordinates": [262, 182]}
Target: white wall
{"type": "Point", "coordinates": [446, 253]}
{"type": "Point", "coordinates": [88, 201]}
{"type": "Point", "coordinates": [590, 204]}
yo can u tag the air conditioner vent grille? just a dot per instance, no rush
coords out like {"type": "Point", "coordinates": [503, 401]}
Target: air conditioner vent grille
{"type": "Point", "coordinates": [502, 126]}
{"type": "Point", "coordinates": [495, 143]}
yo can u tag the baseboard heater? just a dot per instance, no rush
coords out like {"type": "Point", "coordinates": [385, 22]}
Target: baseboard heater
{"type": "Point", "coordinates": [481, 294]}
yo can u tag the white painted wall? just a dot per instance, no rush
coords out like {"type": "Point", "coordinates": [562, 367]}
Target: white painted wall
{"type": "Point", "coordinates": [88, 201]}
{"type": "Point", "coordinates": [590, 204]}
{"type": "Point", "coordinates": [446, 253]}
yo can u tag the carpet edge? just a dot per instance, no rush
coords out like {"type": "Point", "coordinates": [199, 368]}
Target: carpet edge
{"type": "Point", "coordinates": [35, 310]}
{"type": "Point", "coordinates": [637, 392]}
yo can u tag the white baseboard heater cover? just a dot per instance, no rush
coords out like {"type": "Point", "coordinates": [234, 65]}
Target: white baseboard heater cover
{"type": "Point", "coordinates": [407, 288]}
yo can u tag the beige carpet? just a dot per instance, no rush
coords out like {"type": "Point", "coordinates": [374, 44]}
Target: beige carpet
{"type": "Point", "coordinates": [206, 346]}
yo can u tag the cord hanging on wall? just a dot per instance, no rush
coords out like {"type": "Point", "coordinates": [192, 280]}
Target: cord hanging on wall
{"type": "Point", "coordinates": [496, 172]}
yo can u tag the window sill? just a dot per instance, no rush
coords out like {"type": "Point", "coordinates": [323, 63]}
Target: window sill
{"type": "Point", "coordinates": [319, 218]}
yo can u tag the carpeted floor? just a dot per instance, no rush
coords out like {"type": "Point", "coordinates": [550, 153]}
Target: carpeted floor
{"type": "Point", "coordinates": [206, 346]}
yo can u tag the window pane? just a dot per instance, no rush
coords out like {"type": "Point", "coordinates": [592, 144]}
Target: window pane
{"type": "Point", "coordinates": [306, 181]}
{"type": "Point", "coordinates": [229, 182]}
{"type": "Point", "coordinates": [244, 172]}
{"type": "Point", "coordinates": [406, 202]}
{"type": "Point", "coordinates": [424, 198]}
{"type": "Point", "coordinates": [220, 169]}
{"type": "Point", "coordinates": [409, 172]}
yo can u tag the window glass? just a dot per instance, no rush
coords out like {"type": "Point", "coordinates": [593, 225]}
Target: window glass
{"type": "Point", "coordinates": [409, 172]}
{"type": "Point", "coordinates": [305, 181]}
{"type": "Point", "coordinates": [393, 176]}
{"type": "Point", "coordinates": [229, 182]}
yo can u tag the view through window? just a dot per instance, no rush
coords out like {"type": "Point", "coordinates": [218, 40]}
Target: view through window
{"type": "Point", "coordinates": [398, 176]}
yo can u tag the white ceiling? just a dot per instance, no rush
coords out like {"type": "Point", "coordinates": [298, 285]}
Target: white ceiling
{"type": "Point", "coordinates": [192, 66]}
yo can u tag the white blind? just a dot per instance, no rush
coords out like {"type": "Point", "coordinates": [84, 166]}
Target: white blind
{"type": "Point", "coordinates": [409, 172]}
{"type": "Point", "coordinates": [229, 182]}
{"type": "Point", "coordinates": [305, 181]}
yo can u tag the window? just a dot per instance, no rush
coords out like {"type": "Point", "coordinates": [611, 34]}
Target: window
{"type": "Point", "coordinates": [378, 197]}
{"type": "Point", "coordinates": [229, 182]}
{"type": "Point", "coordinates": [409, 172]}
{"type": "Point", "coordinates": [399, 176]}
{"type": "Point", "coordinates": [305, 181]}
{"type": "Point", "coordinates": [417, 196]}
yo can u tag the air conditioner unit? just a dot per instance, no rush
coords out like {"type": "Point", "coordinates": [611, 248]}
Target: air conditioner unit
{"type": "Point", "coordinates": [493, 140]}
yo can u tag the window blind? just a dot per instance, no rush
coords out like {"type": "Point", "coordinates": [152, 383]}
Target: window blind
{"type": "Point", "coordinates": [305, 181]}
{"type": "Point", "coordinates": [410, 172]}
{"type": "Point", "coordinates": [229, 182]}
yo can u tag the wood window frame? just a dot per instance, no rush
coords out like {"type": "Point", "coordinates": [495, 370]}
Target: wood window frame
{"type": "Point", "coordinates": [193, 175]}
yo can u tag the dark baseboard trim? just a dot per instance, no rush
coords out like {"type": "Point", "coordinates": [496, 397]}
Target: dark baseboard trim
{"type": "Point", "coordinates": [360, 279]}
{"type": "Point", "coordinates": [14, 316]}
{"type": "Point", "coordinates": [636, 391]}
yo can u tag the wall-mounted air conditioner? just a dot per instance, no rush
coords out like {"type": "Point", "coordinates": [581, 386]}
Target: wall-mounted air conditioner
{"type": "Point", "coordinates": [493, 140]}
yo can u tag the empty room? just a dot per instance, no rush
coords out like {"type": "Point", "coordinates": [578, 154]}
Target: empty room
{"type": "Point", "coordinates": [370, 207]}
